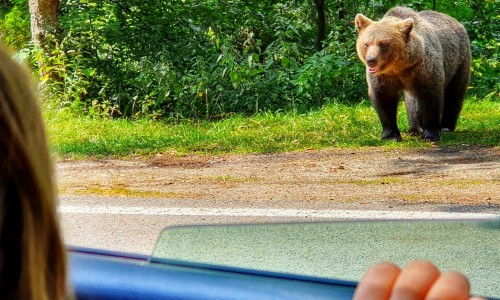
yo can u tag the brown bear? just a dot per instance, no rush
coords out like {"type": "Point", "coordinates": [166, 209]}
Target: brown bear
{"type": "Point", "coordinates": [424, 54]}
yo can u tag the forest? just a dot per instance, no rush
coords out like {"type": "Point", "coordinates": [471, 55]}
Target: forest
{"type": "Point", "coordinates": [208, 59]}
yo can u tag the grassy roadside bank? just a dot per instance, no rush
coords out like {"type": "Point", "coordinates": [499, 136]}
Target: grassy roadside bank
{"type": "Point", "coordinates": [335, 125]}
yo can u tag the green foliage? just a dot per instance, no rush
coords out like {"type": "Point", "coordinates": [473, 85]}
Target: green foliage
{"type": "Point", "coordinates": [64, 76]}
{"type": "Point", "coordinates": [210, 59]}
{"type": "Point", "coordinates": [334, 73]}
{"type": "Point", "coordinates": [15, 23]}
{"type": "Point", "coordinates": [486, 68]}
{"type": "Point", "coordinates": [484, 31]}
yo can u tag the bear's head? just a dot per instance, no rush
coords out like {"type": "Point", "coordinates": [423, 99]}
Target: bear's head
{"type": "Point", "coordinates": [382, 45]}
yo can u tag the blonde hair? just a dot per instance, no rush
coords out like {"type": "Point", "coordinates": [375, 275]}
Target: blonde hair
{"type": "Point", "coordinates": [32, 254]}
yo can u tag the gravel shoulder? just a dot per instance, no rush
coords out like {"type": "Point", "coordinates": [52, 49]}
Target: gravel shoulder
{"type": "Point", "coordinates": [462, 178]}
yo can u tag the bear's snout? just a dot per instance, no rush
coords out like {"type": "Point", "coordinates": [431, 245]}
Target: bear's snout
{"type": "Point", "coordinates": [371, 61]}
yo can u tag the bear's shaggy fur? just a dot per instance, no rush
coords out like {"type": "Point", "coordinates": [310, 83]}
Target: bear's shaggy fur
{"type": "Point", "coordinates": [426, 55]}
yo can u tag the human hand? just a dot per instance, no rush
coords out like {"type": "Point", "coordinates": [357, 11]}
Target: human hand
{"type": "Point", "coordinates": [419, 280]}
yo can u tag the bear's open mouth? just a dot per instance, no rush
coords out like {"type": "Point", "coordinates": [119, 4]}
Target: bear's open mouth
{"type": "Point", "coordinates": [372, 70]}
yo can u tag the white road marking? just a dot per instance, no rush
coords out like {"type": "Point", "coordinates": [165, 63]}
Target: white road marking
{"type": "Point", "coordinates": [272, 213]}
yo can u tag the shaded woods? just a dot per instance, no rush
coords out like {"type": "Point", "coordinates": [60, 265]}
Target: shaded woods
{"type": "Point", "coordinates": [208, 59]}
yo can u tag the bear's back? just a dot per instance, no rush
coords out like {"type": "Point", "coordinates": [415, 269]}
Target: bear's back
{"type": "Point", "coordinates": [435, 27]}
{"type": "Point", "coordinates": [432, 22]}
{"type": "Point", "coordinates": [453, 38]}
{"type": "Point", "coordinates": [444, 26]}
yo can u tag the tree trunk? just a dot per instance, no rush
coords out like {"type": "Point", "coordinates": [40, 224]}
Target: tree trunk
{"type": "Point", "coordinates": [44, 20]}
{"type": "Point", "coordinates": [342, 13]}
{"type": "Point", "coordinates": [320, 9]}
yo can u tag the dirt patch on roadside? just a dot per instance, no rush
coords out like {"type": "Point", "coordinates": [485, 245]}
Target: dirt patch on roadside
{"type": "Point", "coordinates": [466, 176]}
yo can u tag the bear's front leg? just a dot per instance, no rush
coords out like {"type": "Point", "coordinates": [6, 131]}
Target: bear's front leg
{"type": "Point", "coordinates": [386, 106]}
{"type": "Point", "coordinates": [384, 94]}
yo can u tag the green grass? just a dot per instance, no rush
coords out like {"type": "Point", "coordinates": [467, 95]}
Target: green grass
{"type": "Point", "coordinates": [335, 125]}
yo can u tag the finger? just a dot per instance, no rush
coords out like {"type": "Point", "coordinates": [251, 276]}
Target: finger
{"type": "Point", "coordinates": [415, 281]}
{"type": "Point", "coordinates": [450, 286]}
{"type": "Point", "coordinates": [377, 283]}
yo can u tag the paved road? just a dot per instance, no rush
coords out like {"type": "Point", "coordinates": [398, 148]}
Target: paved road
{"type": "Point", "coordinates": [133, 225]}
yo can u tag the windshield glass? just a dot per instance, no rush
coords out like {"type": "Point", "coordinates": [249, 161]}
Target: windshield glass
{"type": "Point", "coordinates": [343, 250]}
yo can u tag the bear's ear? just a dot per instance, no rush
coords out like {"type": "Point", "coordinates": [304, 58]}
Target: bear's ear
{"type": "Point", "coordinates": [362, 22]}
{"type": "Point", "coordinates": [406, 26]}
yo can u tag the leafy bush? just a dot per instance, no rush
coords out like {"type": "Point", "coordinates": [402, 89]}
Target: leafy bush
{"type": "Point", "coordinates": [15, 23]}
{"type": "Point", "coordinates": [486, 69]}
{"type": "Point", "coordinates": [484, 31]}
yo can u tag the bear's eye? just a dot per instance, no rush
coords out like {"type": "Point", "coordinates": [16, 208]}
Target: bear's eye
{"type": "Point", "coordinates": [367, 45]}
{"type": "Point", "coordinates": [383, 47]}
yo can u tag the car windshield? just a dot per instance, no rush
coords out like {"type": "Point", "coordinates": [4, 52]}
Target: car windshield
{"type": "Point", "coordinates": [342, 250]}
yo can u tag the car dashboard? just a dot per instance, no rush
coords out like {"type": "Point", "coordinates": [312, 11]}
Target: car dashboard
{"type": "Point", "coordinates": [111, 275]}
